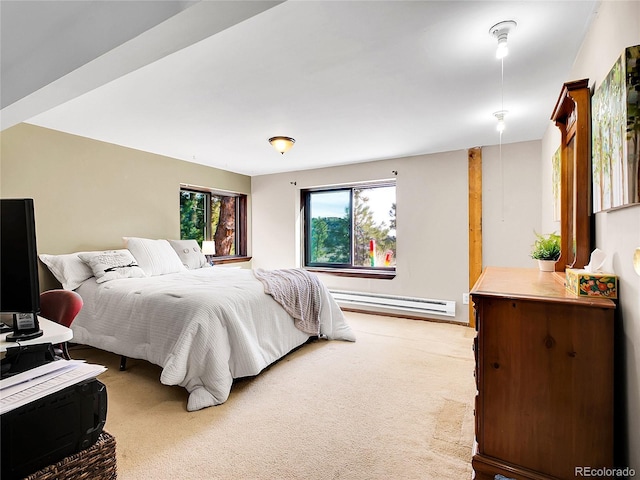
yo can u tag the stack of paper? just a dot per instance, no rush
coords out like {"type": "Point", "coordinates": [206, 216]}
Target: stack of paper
{"type": "Point", "coordinates": [41, 381]}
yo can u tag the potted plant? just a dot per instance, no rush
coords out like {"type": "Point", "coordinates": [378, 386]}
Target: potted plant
{"type": "Point", "coordinates": [546, 249]}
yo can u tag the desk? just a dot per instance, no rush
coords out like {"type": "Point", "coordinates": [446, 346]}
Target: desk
{"type": "Point", "coordinates": [52, 332]}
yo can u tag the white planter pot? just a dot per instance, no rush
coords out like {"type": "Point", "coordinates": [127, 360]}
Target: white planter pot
{"type": "Point", "coordinates": [547, 265]}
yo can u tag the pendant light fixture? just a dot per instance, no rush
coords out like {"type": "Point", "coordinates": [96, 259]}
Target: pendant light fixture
{"type": "Point", "coordinates": [500, 116]}
{"type": "Point", "coordinates": [282, 144]}
{"type": "Point", "coordinates": [501, 32]}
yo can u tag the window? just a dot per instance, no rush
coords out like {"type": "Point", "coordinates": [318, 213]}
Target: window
{"type": "Point", "coordinates": [217, 216]}
{"type": "Point", "coordinates": [351, 227]}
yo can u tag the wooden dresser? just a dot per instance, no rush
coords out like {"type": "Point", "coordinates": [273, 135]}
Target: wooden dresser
{"type": "Point", "coordinates": [544, 374]}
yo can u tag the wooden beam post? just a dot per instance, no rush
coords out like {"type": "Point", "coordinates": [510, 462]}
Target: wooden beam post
{"type": "Point", "coordinates": [475, 221]}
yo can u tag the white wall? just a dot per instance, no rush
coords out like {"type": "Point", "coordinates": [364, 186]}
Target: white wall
{"type": "Point", "coordinates": [618, 234]}
{"type": "Point", "coordinates": [432, 218]}
{"type": "Point", "coordinates": [511, 184]}
{"type": "Point", "coordinates": [615, 27]}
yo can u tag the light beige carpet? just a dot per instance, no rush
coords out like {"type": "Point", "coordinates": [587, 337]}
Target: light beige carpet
{"type": "Point", "coordinates": [397, 404]}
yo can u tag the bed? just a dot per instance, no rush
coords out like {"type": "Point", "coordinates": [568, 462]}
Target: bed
{"type": "Point", "coordinates": [204, 326]}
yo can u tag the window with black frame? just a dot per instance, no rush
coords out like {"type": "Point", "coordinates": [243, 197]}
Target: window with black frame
{"type": "Point", "coordinates": [209, 215]}
{"type": "Point", "coordinates": [351, 227]}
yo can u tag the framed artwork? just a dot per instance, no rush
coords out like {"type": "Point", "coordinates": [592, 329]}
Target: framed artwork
{"type": "Point", "coordinates": [615, 131]}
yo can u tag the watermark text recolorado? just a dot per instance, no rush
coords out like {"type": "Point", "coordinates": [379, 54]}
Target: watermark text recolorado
{"type": "Point", "coordinates": [604, 472]}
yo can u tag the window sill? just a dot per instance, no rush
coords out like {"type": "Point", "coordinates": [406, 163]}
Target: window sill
{"type": "Point", "coordinates": [223, 260]}
{"type": "Point", "coordinates": [360, 273]}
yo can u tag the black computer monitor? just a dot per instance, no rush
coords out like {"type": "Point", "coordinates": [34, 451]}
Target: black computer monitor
{"type": "Point", "coordinates": [19, 282]}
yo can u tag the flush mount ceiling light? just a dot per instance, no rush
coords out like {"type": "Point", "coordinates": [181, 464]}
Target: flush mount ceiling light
{"type": "Point", "coordinates": [282, 144]}
{"type": "Point", "coordinates": [500, 116]}
{"type": "Point", "coordinates": [501, 32]}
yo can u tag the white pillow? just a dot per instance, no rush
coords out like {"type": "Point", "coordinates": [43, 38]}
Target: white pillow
{"type": "Point", "coordinates": [68, 269]}
{"type": "Point", "coordinates": [189, 252]}
{"type": "Point", "coordinates": [112, 264]}
{"type": "Point", "coordinates": [155, 257]}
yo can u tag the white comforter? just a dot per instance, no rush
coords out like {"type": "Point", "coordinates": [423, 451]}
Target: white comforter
{"type": "Point", "coordinates": [204, 327]}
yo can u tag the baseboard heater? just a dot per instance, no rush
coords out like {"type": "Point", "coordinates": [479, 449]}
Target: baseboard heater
{"type": "Point", "coordinates": [394, 304]}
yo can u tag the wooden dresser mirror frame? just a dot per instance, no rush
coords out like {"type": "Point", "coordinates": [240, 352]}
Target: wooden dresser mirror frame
{"type": "Point", "coordinates": [572, 115]}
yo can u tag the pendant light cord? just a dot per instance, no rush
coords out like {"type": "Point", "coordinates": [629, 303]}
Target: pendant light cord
{"type": "Point", "coordinates": [502, 84]}
{"type": "Point", "coordinates": [500, 144]}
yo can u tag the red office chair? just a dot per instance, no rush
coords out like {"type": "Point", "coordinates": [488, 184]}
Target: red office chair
{"type": "Point", "coordinates": [60, 306]}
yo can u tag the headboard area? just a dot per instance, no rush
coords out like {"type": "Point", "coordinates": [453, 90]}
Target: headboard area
{"type": "Point", "coordinates": [89, 194]}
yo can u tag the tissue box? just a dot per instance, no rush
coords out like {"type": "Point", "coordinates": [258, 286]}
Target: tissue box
{"type": "Point", "coordinates": [589, 284]}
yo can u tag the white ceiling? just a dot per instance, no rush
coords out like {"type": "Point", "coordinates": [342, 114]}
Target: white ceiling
{"type": "Point", "coordinates": [351, 81]}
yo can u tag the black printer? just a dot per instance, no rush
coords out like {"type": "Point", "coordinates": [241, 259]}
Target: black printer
{"type": "Point", "coordinates": [49, 429]}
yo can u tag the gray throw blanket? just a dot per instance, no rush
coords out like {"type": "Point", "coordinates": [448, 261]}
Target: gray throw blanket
{"type": "Point", "coordinates": [298, 291]}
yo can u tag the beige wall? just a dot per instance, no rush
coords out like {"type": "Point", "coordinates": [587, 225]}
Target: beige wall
{"type": "Point", "coordinates": [615, 27]}
{"type": "Point", "coordinates": [432, 218]}
{"type": "Point", "coordinates": [90, 194]}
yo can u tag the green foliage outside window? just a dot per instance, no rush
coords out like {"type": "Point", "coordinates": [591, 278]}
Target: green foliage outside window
{"type": "Point", "coordinates": [192, 216]}
{"type": "Point", "coordinates": [330, 240]}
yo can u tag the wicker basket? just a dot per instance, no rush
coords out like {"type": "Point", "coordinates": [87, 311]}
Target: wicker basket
{"type": "Point", "coordinates": [98, 462]}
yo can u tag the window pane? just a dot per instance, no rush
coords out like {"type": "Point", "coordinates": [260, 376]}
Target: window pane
{"type": "Point", "coordinates": [193, 222]}
{"type": "Point", "coordinates": [374, 226]}
{"type": "Point", "coordinates": [330, 227]}
{"type": "Point", "coordinates": [223, 224]}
